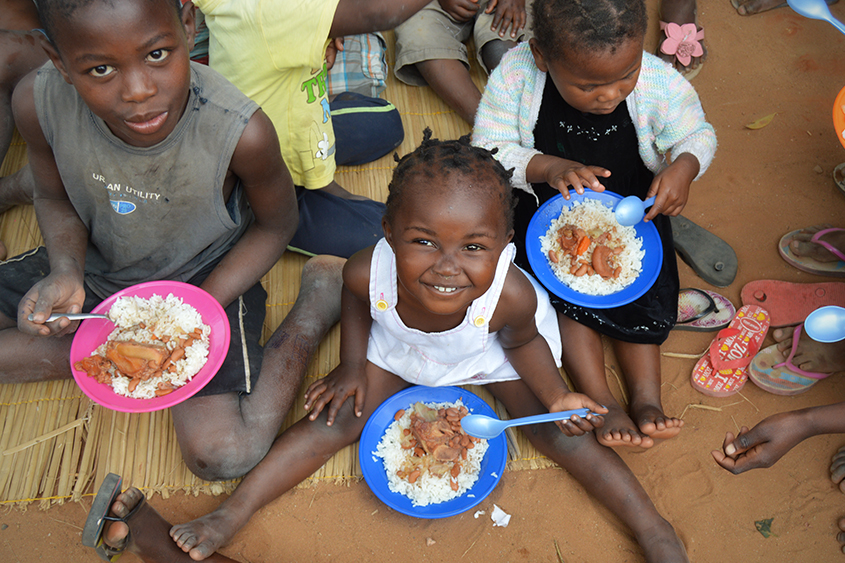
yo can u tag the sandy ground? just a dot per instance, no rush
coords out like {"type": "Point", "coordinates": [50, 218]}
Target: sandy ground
{"type": "Point", "coordinates": [762, 184]}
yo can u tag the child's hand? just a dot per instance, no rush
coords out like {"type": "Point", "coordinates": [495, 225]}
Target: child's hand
{"type": "Point", "coordinates": [334, 389]}
{"type": "Point", "coordinates": [56, 293]}
{"type": "Point", "coordinates": [460, 10]}
{"type": "Point", "coordinates": [577, 426]}
{"type": "Point", "coordinates": [671, 187]}
{"type": "Point", "coordinates": [509, 13]}
{"type": "Point", "coordinates": [332, 49]}
{"type": "Point", "coordinates": [763, 445]}
{"type": "Point", "coordinates": [561, 173]}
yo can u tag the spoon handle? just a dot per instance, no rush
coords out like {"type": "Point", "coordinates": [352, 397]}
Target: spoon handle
{"type": "Point", "coordinates": [837, 24]}
{"type": "Point", "coordinates": [71, 316]}
{"type": "Point", "coordinates": [547, 417]}
{"type": "Point", "coordinates": [649, 202]}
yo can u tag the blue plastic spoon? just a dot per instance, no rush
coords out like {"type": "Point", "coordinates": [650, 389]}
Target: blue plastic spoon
{"type": "Point", "coordinates": [631, 210]}
{"type": "Point", "coordinates": [826, 324]}
{"type": "Point", "coordinates": [488, 428]}
{"type": "Point", "coordinates": [816, 10]}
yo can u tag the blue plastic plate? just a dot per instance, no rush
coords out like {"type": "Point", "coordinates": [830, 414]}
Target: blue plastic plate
{"type": "Point", "coordinates": [492, 465]}
{"type": "Point", "coordinates": [550, 211]}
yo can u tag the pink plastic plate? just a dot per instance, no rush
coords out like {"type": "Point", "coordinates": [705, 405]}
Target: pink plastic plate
{"type": "Point", "coordinates": [94, 332]}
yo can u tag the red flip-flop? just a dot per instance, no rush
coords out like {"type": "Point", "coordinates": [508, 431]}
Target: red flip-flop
{"type": "Point", "coordinates": [789, 303]}
{"type": "Point", "coordinates": [722, 371]}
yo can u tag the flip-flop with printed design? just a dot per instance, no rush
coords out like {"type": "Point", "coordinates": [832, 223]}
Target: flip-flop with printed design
{"type": "Point", "coordinates": [772, 372]}
{"type": "Point", "coordinates": [789, 303]}
{"type": "Point", "coordinates": [703, 310]}
{"type": "Point", "coordinates": [92, 533]}
{"type": "Point", "coordinates": [811, 265]}
{"type": "Point", "coordinates": [722, 371]}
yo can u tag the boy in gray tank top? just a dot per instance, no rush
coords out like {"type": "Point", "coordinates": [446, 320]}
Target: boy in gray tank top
{"type": "Point", "coordinates": [150, 167]}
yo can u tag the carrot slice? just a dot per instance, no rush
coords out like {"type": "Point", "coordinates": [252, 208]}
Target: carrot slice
{"type": "Point", "coordinates": [583, 245]}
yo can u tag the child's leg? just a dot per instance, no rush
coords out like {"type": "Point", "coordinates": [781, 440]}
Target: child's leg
{"type": "Point", "coordinates": [583, 360]}
{"type": "Point", "coordinates": [229, 442]}
{"type": "Point", "coordinates": [296, 454]}
{"type": "Point", "coordinates": [450, 80]}
{"type": "Point", "coordinates": [640, 363]}
{"type": "Point", "coordinates": [144, 533]}
{"type": "Point", "coordinates": [600, 470]}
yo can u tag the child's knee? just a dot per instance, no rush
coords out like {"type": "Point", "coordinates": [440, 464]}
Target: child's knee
{"type": "Point", "coordinates": [222, 458]}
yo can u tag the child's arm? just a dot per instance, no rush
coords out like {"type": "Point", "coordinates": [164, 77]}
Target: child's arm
{"type": "Point", "coordinates": [366, 16]}
{"type": "Point", "coordinates": [65, 236]}
{"type": "Point", "coordinates": [774, 436]}
{"type": "Point", "coordinates": [531, 357]}
{"type": "Point", "coordinates": [461, 10]}
{"type": "Point", "coordinates": [348, 378]}
{"type": "Point", "coordinates": [680, 129]}
{"type": "Point", "coordinates": [671, 186]}
{"type": "Point", "coordinates": [257, 161]}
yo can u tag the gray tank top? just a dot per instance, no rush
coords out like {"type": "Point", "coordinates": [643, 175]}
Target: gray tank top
{"type": "Point", "coordinates": [157, 212]}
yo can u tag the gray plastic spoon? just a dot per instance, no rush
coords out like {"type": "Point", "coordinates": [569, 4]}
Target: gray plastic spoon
{"type": "Point", "coordinates": [826, 324]}
{"type": "Point", "coordinates": [485, 427]}
{"type": "Point", "coordinates": [816, 10]}
{"type": "Point", "coordinates": [631, 210]}
{"type": "Point", "coordinates": [72, 317]}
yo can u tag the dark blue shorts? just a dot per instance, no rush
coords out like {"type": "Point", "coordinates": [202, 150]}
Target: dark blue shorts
{"type": "Point", "coordinates": [329, 224]}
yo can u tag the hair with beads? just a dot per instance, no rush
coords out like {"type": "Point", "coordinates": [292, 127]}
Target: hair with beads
{"type": "Point", "coordinates": [562, 27]}
{"type": "Point", "coordinates": [54, 13]}
{"type": "Point", "coordinates": [436, 159]}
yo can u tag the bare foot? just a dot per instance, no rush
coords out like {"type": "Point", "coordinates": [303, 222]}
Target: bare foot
{"type": "Point", "coordinates": [810, 355]}
{"type": "Point", "coordinates": [148, 537]}
{"type": "Point", "coordinates": [620, 430]}
{"type": "Point", "coordinates": [837, 469]}
{"type": "Point", "coordinates": [654, 423]}
{"type": "Point", "coordinates": [202, 537]}
{"type": "Point", "coordinates": [662, 545]}
{"type": "Point", "coordinates": [802, 246]}
{"type": "Point", "coordinates": [680, 12]}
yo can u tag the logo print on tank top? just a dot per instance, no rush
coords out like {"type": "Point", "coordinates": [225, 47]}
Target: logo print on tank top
{"type": "Point", "coordinates": [122, 207]}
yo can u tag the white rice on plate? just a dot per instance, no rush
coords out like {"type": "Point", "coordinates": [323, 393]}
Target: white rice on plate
{"type": "Point", "coordinates": [428, 488]}
{"type": "Point", "coordinates": [592, 215]}
{"type": "Point", "coordinates": [152, 321]}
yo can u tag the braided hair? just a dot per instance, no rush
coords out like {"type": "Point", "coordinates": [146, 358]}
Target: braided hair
{"type": "Point", "coordinates": [435, 159]}
{"type": "Point", "coordinates": [564, 27]}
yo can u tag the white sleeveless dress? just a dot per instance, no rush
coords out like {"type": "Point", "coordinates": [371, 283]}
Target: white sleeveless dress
{"type": "Point", "coordinates": [466, 354]}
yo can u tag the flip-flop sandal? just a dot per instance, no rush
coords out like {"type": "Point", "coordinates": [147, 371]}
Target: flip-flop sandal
{"type": "Point", "coordinates": [722, 371]}
{"type": "Point", "coordinates": [772, 372]}
{"type": "Point", "coordinates": [709, 256]}
{"type": "Point", "coordinates": [702, 310]}
{"type": "Point", "coordinates": [92, 533]}
{"type": "Point", "coordinates": [804, 263]}
{"type": "Point", "coordinates": [789, 303]}
{"type": "Point", "coordinates": [683, 43]}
